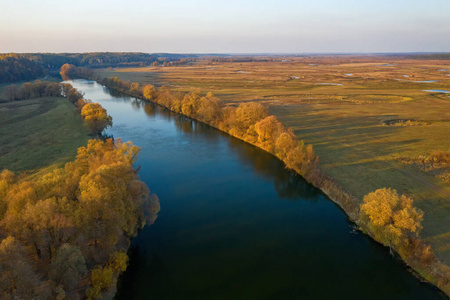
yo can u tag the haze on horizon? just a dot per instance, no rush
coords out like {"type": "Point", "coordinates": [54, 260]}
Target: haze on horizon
{"type": "Point", "coordinates": [264, 26]}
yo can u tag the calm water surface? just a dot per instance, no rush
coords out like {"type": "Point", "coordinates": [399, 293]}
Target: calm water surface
{"type": "Point", "coordinates": [234, 224]}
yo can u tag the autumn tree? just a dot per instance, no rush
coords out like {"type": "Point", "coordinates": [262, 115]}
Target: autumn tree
{"type": "Point", "coordinates": [102, 278]}
{"type": "Point", "coordinates": [118, 261]}
{"type": "Point", "coordinates": [51, 222]}
{"type": "Point", "coordinates": [149, 91]}
{"type": "Point", "coordinates": [110, 194]}
{"type": "Point", "coordinates": [191, 103]}
{"type": "Point", "coordinates": [246, 116]}
{"type": "Point", "coordinates": [135, 89]}
{"type": "Point", "coordinates": [210, 109]}
{"type": "Point", "coordinates": [18, 279]}
{"type": "Point", "coordinates": [392, 218]}
{"type": "Point", "coordinates": [96, 117]}
{"type": "Point", "coordinates": [67, 70]}
{"type": "Point", "coordinates": [68, 267]}
{"type": "Point", "coordinates": [268, 130]}
{"type": "Point", "coordinates": [284, 144]}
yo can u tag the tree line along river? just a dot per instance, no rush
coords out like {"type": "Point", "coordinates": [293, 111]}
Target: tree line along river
{"type": "Point", "coordinates": [235, 224]}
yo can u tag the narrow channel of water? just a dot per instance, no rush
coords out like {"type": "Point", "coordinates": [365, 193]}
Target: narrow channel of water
{"type": "Point", "coordinates": [234, 224]}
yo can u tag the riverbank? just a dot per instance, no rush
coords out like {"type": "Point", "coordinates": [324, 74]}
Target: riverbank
{"type": "Point", "coordinates": [435, 272]}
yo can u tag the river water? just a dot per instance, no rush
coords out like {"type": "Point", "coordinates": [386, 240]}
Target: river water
{"type": "Point", "coordinates": [234, 224]}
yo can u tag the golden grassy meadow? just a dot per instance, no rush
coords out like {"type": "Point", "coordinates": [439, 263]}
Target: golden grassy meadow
{"type": "Point", "coordinates": [343, 106]}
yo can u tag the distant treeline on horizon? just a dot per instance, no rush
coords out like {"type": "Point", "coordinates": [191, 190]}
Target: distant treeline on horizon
{"type": "Point", "coordinates": [27, 66]}
{"type": "Point", "coordinates": [16, 67]}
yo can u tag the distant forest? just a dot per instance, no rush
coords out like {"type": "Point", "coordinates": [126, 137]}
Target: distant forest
{"type": "Point", "coordinates": [433, 56]}
{"type": "Point", "coordinates": [21, 67]}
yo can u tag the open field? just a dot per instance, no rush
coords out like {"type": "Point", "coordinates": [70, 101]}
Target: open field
{"type": "Point", "coordinates": [39, 132]}
{"type": "Point", "coordinates": [341, 105]}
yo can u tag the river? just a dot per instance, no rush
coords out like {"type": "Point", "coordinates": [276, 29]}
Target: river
{"type": "Point", "coordinates": [234, 224]}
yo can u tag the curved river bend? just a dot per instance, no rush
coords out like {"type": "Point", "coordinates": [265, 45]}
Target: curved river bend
{"type": "Point", "coordinates": [234, 224]}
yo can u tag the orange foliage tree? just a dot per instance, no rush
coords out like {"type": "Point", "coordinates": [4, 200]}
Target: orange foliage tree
{"type": "Point", "coordinates": [392, 218]}
{"type": "Point", "coordinates": [96, 117]}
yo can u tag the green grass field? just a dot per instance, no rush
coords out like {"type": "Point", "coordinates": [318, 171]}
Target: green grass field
{"type": "Point", "coordinates": [39, 132]}
{"type": "Point", "coordinates": [344, 121]}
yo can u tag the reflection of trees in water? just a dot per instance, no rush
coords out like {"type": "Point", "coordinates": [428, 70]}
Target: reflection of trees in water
{"type": "Point", "coordinates": [287, 184]}
{"type": "Point", "coordinates": [189, 126]}
{"type": "Point", "coordinates": [136, 104]}
{"type": "Point", "coordinates": [183, 124]}
{"type": "Point", "coordinates": [291, 186]}
{"type": "Point", "coordinates": [150, 110]}
{"type": "Point", "coordinates": [113, 93]}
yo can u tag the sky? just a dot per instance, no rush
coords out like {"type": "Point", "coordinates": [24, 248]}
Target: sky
{"type": "Point", "coordinates": [217, 26]}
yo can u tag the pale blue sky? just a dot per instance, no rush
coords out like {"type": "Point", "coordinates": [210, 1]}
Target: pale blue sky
{"type": "Point", "coordinates": [232, 26]}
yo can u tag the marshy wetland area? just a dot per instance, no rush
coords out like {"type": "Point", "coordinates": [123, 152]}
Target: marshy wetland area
{"type": "Point", "coordinates": [374, 121]}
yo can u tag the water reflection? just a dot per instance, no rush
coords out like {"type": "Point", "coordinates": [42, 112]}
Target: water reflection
{"type": "Point", "coordinates": [150, 110]}
{"type": "Point", "coordinates": [136, 104]}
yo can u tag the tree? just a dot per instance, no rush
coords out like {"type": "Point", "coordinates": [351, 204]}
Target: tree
{"type": "Point", "coordinates": [135, 89]}
{"type": "Point", "coordinates": [39, 88]}
{"type": "Point", "coordinates": [67, 70]}
{"type": "Point", "coordinates": [391, 218]}
{"type": "Point", "coordinates": [210, 109]}
{"type": "Point", "coordinates": [68, 267]}
{"type": "Point", "coordinates": [18, 280]}
{"type": "Point", "coordinates": [26, 90]}
{"type": "Point", "coordinates": [50, 222]}
{"type": "Point", "coordinates": [118, 261]}
{"type": "Point", "coordinates": [12, 92]}
{"type": "Point", "coordinates": [73, 94]}
{"type": "Point", "coordinates": [246, 116]}
{"type": "Point", "coordinates": [101, 279]}
{"type": "Point", "coordinates": [96, 117]}
{"type": "Point", "coordinates": [53, 89]}
{"type": "Point", "coordinates": [284, 144]}
{"type": "Point", "coordinates": [268, 130]}
{"type": "Point", "coordinates": [190, 103]}
{"type": "Point", "coordinates": [295, 158]}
